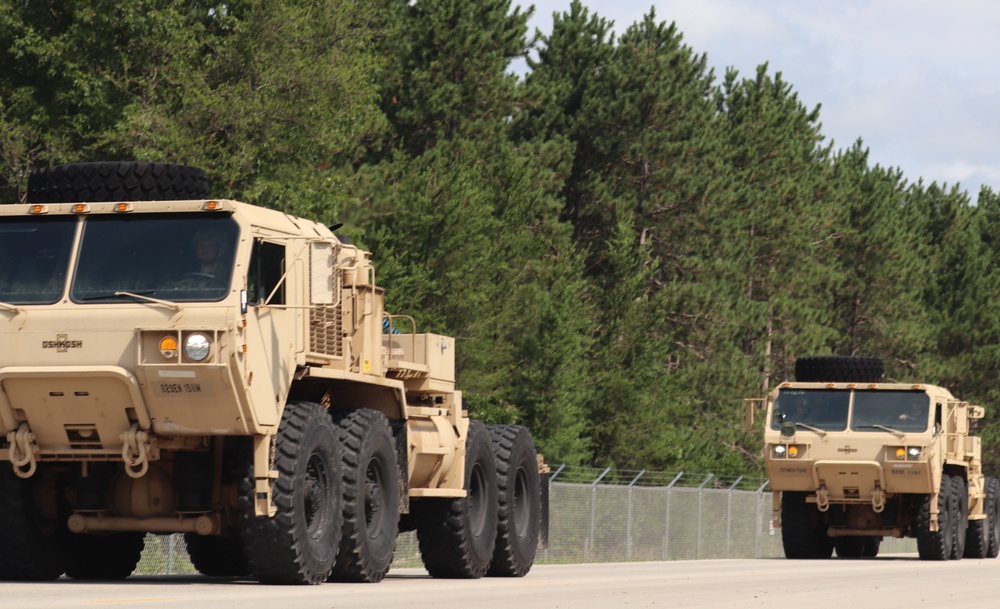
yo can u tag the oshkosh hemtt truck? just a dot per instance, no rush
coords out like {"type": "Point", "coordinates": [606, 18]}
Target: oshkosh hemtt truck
{"type": "Point", "coordinates": [851, 459]}
{"type": "Point", "coordinates": [172, 363]}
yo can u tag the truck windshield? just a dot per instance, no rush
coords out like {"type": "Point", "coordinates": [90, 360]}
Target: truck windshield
{"type": "Point", "coordinates": [822, 409]}
{"type": "Point", "coordinates": [819, 408]}
{"type": "Point", "coordinates": [897, 410]}
{"type": "Point", "coordinates": [175, 257]}
{"type": "Point", "coordinates": [34, 258]}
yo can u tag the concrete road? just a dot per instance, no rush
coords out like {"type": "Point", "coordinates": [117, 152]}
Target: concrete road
{"type": "Point", "coordinates": [890, 581]}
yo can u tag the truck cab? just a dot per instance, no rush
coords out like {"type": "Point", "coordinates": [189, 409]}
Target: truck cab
{"type": "Point", "coordinates": [852, 462]}
{"type": "Point", "coordinates": [173, 363]}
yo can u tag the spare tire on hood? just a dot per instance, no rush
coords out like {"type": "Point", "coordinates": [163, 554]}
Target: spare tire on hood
{"type": "Point", "coordinates": [116, 181]}
{"type": "Point", "coordinates": [839, 369]}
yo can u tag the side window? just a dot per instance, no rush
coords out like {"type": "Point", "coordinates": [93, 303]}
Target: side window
{"type": "Point", "coordinates": [267, 268]}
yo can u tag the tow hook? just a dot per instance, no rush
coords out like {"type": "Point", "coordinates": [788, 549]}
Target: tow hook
{"type": "Point", "coordinates": [135, 451]}
{"type": "Point", "coordinates": [22, 451]}
{"type": "Point", "coordinates": [822, 499]}
{"type": "Point", "coordinates": [878, 499]}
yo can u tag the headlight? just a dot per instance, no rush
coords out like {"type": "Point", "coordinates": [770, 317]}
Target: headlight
{"type": "Point", "coordinates": [787, 451]}
{"type": "Point", "coordinates": [197, 347]}
{"type": "Point", "coordinates": [913, 453]}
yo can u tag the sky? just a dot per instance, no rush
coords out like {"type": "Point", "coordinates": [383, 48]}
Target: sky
{"type": "Point", "coordinates": [917, 80]}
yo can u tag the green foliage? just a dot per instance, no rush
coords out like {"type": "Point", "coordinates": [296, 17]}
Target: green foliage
{"type": "Point", "coordinates": [260, 94]}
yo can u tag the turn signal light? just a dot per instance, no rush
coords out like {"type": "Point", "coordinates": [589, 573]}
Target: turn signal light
{"type": "Point", "coordinates": [168, 347]}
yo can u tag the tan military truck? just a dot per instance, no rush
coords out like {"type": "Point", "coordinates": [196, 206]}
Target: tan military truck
{"type": "Point", "coordinates": [173, 363]}
{"type": "Point", "coordinates": [852, 459]}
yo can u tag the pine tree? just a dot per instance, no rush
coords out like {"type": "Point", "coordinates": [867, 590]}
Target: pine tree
{"type": "Point", "coordinates": [872, 262]}
{"type": "Point", "coordinates": [272, 99]}
{"type": "Point", "coordinates": [448, 76]}
{"type": "Point", "coordinates": [465, 224]}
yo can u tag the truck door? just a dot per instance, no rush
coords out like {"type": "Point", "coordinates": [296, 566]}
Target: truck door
{"type": "Point", "coordinates": [271, 329]}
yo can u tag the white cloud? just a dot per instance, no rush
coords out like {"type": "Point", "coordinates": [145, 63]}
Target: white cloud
{"type": "Point", "coordinates": [916, 79]}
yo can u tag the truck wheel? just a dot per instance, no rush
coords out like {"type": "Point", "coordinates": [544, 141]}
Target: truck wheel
{"type": "Point", "coordinates": [935, 545]}
{"type": "Point", "coordinates": [371, 497]}
{"type": "Point", "coordinates": [112, 556]}
{"type": "Point", "coordinates": [993, 517]}
{"type": "Point", "coordinates": [519, 506]}
{"type": "Point", "coordinates": [839, 369]}
{"type": "Point", "coordinates": [217, 556]}
{"type": "Point", "coordinates": [871, 547]}
{"type": "Point", "coordinates": [803, 534]}
{"type": "Point", "coordinates": [853, 546]}
{"type": "Point", "coordinates": [457, 536]}
{"type": "Point", "coordinates": [116, 181]}
{"type": "Point", "coordinates": [960, 510]}
{"type": "Point", "coordinates": [33, 549]}
{"type": "Point", "coordinates": [299, 544]}
{"type": "Point", "coordinates": [977, 541]}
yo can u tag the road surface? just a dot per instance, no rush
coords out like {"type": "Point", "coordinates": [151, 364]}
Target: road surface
{"type": "Point", "coordinates": [888, 581]}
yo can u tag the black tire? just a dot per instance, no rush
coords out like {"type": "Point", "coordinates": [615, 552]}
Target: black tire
{"type": "Point", "coordinates": [977, 536]}
{"type": "Point", "coordinates": [839, 369]}
{"type": "Point", "coordinates": [217, 556]}
{"type": "Point", "coordinates": [857, 546]}
{"type": "Point", "coordinates": [977, 539]}
{"type": "Point", "coordinates": [960, 513]}
{"type": "Point", "coordinates": [993, 517]}
{"type": "Point", "coordinates": [116, 181]}
{"type": "Point", "coordinates": [299, 544]}
{"type": "Point", "coordinates": [935, 545]}
{"type": "Point", "coordinates": [371, 497]}
{"type": "Point", "coordinates": [872, 545]}
{"type": "Point", "coordinates": [519, 505]}
{"type": "Point", "coordinates": [851, 547]}
{"type": "Point", "coordinates": [803, 534]}
{"type": "Point", "coordinates": [107, 557]}
{"type": "Point", "coordinates": [33, 548]}
{"type": "Point", "coordinates": [457, 536]}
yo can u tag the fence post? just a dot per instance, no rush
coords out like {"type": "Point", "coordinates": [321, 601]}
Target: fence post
{"type": "Point", "coordinates": [760, 523]}
{"type": "Point", "coordinates": [701, 495]}
{"type": "Point", "coordinates": [549, 482]}
{"type": "Point", "coordinates": [628, 518]}
{"type": "Point", "coordinates": [729, 518]}
{"type": "Point", "coordinates": [593, 508]}
{"type": "Point", "coordinates": [666, 528]}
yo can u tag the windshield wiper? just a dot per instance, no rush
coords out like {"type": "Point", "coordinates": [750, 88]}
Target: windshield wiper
{"type": "Point", "coordinates": [10, 307]}
{"type": "Point", "coordinates": [895, 432]}
{"type": "Point", "coordinates": [810, 428]}
{"type": "Point", "coordinates": [143, 296]}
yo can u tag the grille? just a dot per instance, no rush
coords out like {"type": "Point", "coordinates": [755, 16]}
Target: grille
{"type": "Point", "coordinates": [325, 331]}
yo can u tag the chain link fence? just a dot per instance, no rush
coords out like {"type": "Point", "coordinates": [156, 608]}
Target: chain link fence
{"type": "Point", "coordinates": [615, 516]}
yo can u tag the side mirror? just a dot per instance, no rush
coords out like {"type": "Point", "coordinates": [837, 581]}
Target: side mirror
{"type": "Point", "coordinates": [243, 302]}
{"type": "Point", "coordinates": [749, 406]}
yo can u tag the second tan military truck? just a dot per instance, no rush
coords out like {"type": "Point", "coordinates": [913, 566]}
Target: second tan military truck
{"type": "Point", "coordinates": [174, 363]}
{"type": "Point", "coordinates": [852, 459]}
